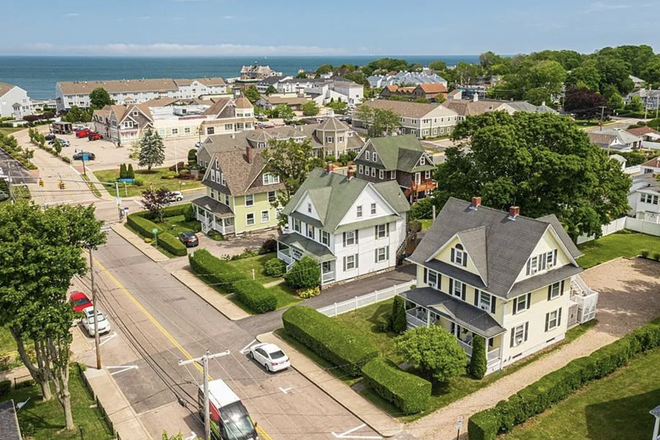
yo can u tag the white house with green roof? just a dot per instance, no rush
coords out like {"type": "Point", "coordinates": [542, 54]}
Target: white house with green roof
{"type": "Point", "coordinates": [351, 227]}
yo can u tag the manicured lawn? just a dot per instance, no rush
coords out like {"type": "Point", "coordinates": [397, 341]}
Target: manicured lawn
{"type": "Point", "coordinates": [153, 179]}
{"type": "Point", "coordinates": [163, 251]}
{"type": "Point", "coordinates": [178, 224]}
{"type": "Point", "coordinates": [9, 130]}
{"type": "Point", "coordinates": [365, 321]}
{"type": "Point", "coordinates": [247, 265]}
{"type": "Point", "coordinates": [426, 223]}
{"type": "Point", "coordinates": [614, 408]}
{"type": "Point", "coordinates": [621, 244]}
{"type": "Point", "coordinates": [47, 418]}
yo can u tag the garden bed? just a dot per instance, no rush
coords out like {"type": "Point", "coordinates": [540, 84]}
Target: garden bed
{"type": "Point", "coordinates": [150, 180]}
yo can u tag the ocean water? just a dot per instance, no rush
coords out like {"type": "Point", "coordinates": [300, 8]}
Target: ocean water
{"type": "Point", "coordinates": [38, 74]}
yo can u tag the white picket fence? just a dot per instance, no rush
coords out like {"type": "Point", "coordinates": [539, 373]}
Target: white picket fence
{"type": "Point", "coordinates": [626, 223]}
{"type": "Point", "coordinates": [365, 300]}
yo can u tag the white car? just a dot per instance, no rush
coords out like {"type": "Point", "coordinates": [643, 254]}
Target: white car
{"type": "Point", "coordinates": [88, 321]}
{"type": "Point", "coordinates": [177, 195]}
{"type": "Point", "coordinates": [270, 356]}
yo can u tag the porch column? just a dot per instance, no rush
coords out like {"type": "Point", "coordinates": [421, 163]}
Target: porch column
{"type": "Point", "coordinates": [428, 317]}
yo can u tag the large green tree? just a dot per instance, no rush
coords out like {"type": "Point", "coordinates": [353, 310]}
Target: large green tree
{"type": "Point", "coordinates": [283, 111]}
{"type": "Point", "coordinates": [99, 98]}
{"type": "Point", "coordinates": [152, 150]}
{"type": "Point", "coordinates": [310, 108]}
{"type": "Point", "coordinates": [77, 114]}
{"type": "Point", "coordinates": [434, 351]}
{"type": "Point", "coordinates": [290, 160]}
{"type": "Point", "coordinates": [252, 94]}
{"type": "Point", "coordinates": [541, 162]}
{"type": "Point", "coordinates": [41, 251]}
{"type": "Point", "coordinates": [379, 122]}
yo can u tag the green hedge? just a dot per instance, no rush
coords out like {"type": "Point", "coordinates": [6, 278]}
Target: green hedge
{"type": "Point", "coordinates": [170, 211]}
{"type": "Point", "coordinates": [255, 296]}
{"type": "Point", "coordinates": [172, 244]}
{"type": "Point", "coordinates": [330, 339]}
{"type": "Point", "coordinates": [406, 391]}
{"type": "Point", "coordinates": [142, 225]}
{"type": "Point", "coordinates": [214, 271]}
{"type": "Point", "coordinates": [558, 385]}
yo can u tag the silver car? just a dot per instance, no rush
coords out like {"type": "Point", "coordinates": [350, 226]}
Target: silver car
{"type": "Point", "coordinates": [88, 321]}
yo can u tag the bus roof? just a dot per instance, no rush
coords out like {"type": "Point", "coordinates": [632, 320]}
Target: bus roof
{"type": "Point", "coordinates": [220, 394]}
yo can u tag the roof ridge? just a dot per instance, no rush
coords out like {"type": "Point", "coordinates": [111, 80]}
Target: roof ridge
{"type": "Point", "coordinates": [503, 212]}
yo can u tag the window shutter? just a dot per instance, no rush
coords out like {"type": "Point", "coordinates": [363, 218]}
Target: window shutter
{"type": "Point", "coordinates": [493, 301]}
{"type": "Point", "coordinates": [376, 232]}
{"type": "Point", "coordinates": [426, 275]}
{"type": "Point", "coordinates": [547, 321]}
{"type": "Point", "coordinates": [344, 264]}
{"type": "Point", "coordinates": [388, 229]}
{"type": "Point", "coordinates": [453, 255]}
{"type": "Point", "coordinates": [559, 318]}
{"type": "Point", "coordinates": [529, 266]}
{"type": "Point", "coordinates": [464, 291]}
{"type": "Point", "coordinates": [465, 259]}
{"type": "Point", "coordinates": [357, 260]}
{"type": "Point", "coordinates": [451, 287]}
{"type": "Point", "coordinates": [554, 257]}
{"type": "Point", "coordinates": [529, 300]}
{"type": "Point", "coordinates": [526, 330]}
{"type": "Point", "coordinates": [476, 297]}
{"type": "Point", "coordinates": [387, 252]}
{"type": "Point", "coordinates": [375, 255]}
{"type": "Point", "coordinates": [561, 288]}
{"type": "Point", "coordinates": [513, 336]}
{"type": "Point", "coordinates": [515, 305]}
{"type": "Point", "coordinates": [549, 291]}
{"type": "Point", "coordinates": [356, 236]}
{"type": "Point", "coordinates": [344, 235]}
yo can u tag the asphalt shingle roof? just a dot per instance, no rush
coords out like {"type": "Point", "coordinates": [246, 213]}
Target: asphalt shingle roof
{"type": "Point", "coordinates": [5, 88]}
{"type": "Point", "coordinates": [401, 153]}
{"type": "Point", "coordinates": [240, 174]}
{"type": "Point", "coordinates": [501, 252]}
{"type": "Point", "coordinates": [333, 194]}
{"type": "Point", "coordinates": [408, 109]}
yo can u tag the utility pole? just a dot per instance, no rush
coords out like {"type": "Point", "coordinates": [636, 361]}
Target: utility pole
{"type": "Point", "coordinates": [10, 183]}
{"type": "Point", "coordinates": [602, 116]}
{"type": "Point", "coordinates": [204, 362]}
{"type": "Point", "coordinates": [646, 103]}
{"type": "Point", "coordinates": [97, 338]}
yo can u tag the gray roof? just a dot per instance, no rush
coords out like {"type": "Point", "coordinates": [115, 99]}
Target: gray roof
{"type": "Point", "coordinates": [333, 194]}
{"type": "Point", "coordinates": [498, 246]}
{"type": "Point", "coordinates": [460, 312]}
{"type": "Point", "coordinates": [271, 80]}
{"type": "Point", "coordinates": [5, 88]}
{"type": "Point", "coordinates": [655, 411]}
{"type": "Point", "coordinates": [308, 247]}
{"type": "Point", "coordinates": [9, 429]}
{"type": "Point", "coordinates": [209, 204]}
{"type": "Point", "coordinates": [401, 153]}
{"type": "Point", "coordinates": [241, 175]}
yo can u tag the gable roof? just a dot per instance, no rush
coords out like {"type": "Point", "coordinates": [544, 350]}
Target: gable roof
{"type": "Point", "coordinates": [433, 88]}
{"type": "Point", "coordinates": [333, 124]}
{"type": "Point", "coordinates": [399, 153]}
{"type": "Point", "coordinates": [501, 246]}
{"type": "Point", "coordinates": [407, 109]}
{"type": "Point", "coordinates": [5, 88]}
{"type": "Point", "coordinates": [239, 174]}
{"type": "Point", "coordinates": [653, 163]}
{"type": "Point", "coordinates": [333, 194]}
{"type": "Point", "coordinates": [217, 107]}
{"type": "Point", "coordinates": [641, 131]}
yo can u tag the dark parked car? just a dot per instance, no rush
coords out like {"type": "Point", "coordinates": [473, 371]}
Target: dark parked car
{"type": "Point", "coordinates": [189, 239]}
{"type": "Point", "coordinates": [50, 137]}
{"type": "Point", "coordinates": [79, 156]}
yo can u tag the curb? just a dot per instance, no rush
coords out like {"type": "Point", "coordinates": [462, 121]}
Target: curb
{"type": "Point", "coordinates": [154, 254]}
{"type": "Point", "coordinates": [325, 386]}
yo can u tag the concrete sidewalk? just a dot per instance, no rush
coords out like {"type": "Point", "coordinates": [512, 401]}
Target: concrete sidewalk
{"type": "Point", "coordinates": [124, 419]}
{"type": "Point", "coordinates": [139, 243]}
{"type": "Point", "coordinates": [213, 298]}
{"type": "Point", "coordinates": [338, 390]}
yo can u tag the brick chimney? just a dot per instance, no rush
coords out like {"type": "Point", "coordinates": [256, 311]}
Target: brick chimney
{"type": "Point", "coordinates": [514, 211]}
{"type": "Point", "coordinates": [476, 203]}
{"type": "Point", "coordinates": [249, 154]}
{"type": "Point", "coordinates": [351, 173]}
{"type": "Point", "coordinates": [330, 168]}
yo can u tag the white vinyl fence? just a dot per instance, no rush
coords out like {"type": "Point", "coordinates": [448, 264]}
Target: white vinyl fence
{"type": "Point", "coordinates": [626, 223]}
{"type": "Point", "coordinates": [365, 300]}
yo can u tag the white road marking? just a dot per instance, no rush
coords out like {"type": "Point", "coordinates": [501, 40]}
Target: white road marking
{"type": "Point", "coordinates": [77, 172]}
{"type": "Point", "coordinates": [108, 338]}
{"type": "Point", "coordinates": [121, 368]}
{"type": "Point", "coordinates": [350, 431]}
{"type": "Point", "coordinates": [245, 349]}
{"type": "Point", "coordinates": [286, 390]}
{"type": "Point", "coordinates": [139, 204]}
{"type": "Point", "coordinates": [193, 436]}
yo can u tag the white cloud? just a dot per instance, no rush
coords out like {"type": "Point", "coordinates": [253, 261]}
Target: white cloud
{"type": "Point", "coordinates": [145, 17]}
{"type": "Point", "coordinates": [228, 17]}
{"type": "Point", "coordinates": [171, 49]}
{"type": "Point", "coordinates": [606, 6]}
{"type": "Point", "coordinates": [72, 14]}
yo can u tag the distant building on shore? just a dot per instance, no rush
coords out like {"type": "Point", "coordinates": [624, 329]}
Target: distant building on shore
{"type": "Point", "coordinates": [137, 91]}
{"type": "Point", "coordinates": [255, 74]}
{"type": "Point", "coordinates": [14, 102]}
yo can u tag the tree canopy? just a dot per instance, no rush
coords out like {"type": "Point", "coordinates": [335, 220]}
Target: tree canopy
{"type": "Point", "coordinates": [252, 94]}
{"type": "Point", "coordinates": [541, 162]}
{"type": "Point", "coordinates": [379, 121]}
{"type": "Point", "coordinates": [99, 98]}
{"type": "Point", "coordinates": [152, 150]}
{"type": "Point", "coordinates": [585, 104]}
{"type": "Point", "coordinates": [292, 161]}
{"type": "Point", "coordinates": [310, 108]}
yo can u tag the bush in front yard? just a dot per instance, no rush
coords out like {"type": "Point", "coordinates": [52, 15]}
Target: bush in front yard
{"type": "Point", "coordinates": [309, 293]}
{"type": "Point", "coordinates": [142, 225]}
{"type": "Point", "coordinates": [255, 296]}
{"type": "Point", "coordinates": [406, 391]}
{"type": "Point", "coordinates": [172, 244]}
{"type": "Point", "coordinates": [330, 339]}
{"type": "Point", "coordinates": [275, 267]}
{"type": "Point", "coordinates": [478, 362]}
{"type": "Point", "coordinates": [304, 274]}
{"type": "Point", "coordinates": [214, 271]}
{"type": "Point", "coordinates": [484, 425]}
{"type": "Point", "coordinates": [398, 317]}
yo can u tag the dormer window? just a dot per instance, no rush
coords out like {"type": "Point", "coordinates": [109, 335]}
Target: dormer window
{"type": "Point", "coordinates": [458, 255]}
{"type": "Point", "coordinates": [309, 208]}
{"type": "Point", "coordinates": [359, 211]}
{"type": "Point", "coordinates": [270, 178]}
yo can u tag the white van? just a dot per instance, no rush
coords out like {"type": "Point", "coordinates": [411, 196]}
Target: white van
{"type": "Point", "coordinates": [229, 418]}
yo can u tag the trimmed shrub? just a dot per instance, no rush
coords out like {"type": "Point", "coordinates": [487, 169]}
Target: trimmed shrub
{"type": "Point", "coordinates": [122, 171]}
{"type": "Point", "coordinates": [138, 182]}
{"type": "Point", "coordinates": [406, 391]}
{"type": "Point", "coordinates": [656, 256]}
{"type": "Point", "coordinates": [130, 172]}
{"type": "Point", "coordinates": [309, 293]}
{"type": "Point", "coordinates": [329, 339]}
{"type": "Point", "coordinates": [5, 387]}
{"type": "Point", "coordinates": [189, 213]}
{"type": "Point", "coordinates": [142, 225]}
{"type": "Point", "coordinates": [478, 362]}
{"type": "Point", "coordinates": [399, 322]}
{"type": "Point", "coordinates": [255, 296]}
{"type": "Point", "coordinates": [275, 267]}
{"type": "Point", "coordinates": [172, 244]}
{"type": "Point", "coordinates": [304, 274]}
{"type": "Point", "coordinates": [214, 271]}
{"type": "Point", "coordinates": [484, 425]}
{"type": "Point", "coordinates": [215, 235]}
{"type": "Point", "coordinates": [644, 254]}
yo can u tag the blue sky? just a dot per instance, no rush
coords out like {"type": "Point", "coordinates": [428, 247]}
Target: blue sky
{"type": "Point", "coordinates": [336, 27]}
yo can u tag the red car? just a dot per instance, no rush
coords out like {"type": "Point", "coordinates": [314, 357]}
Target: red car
{"type": "Point", "coordinates": [80, 301]}
{"type": "Point", "coordinates": [83, 133]}
{"type": "Point", "coordinates": [94, 136]}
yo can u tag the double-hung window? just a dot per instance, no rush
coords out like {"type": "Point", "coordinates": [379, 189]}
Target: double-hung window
{"type": "Point", "coordinates": [359, 211]}
{"type": "Point", "coordinates": [555, 290]}
{"type": "Point", "coordinates": [325, 238]}
{"type": "Point", "coordinates": [350, 262]}
{"type": "Point", "coordinates": [271, 196]}
{"type": "Point", "coordinates": [373, 172]}
{"type": "Point", "coordinates": [309, 208]}
{"type": "Point", "coordinates": [381, 174]}
{"type": "Point", "coordinates": [249, 200]}
{"type": "Point", "coordinates": [519, 334]}
{"type": "Point", "coordinates": [249, 219]}
{"type": "Point", "coordinates": [458, 255]}
{"type": "Point", "coordinates": [382, 254]}
{"type": "Point", "coordinates": [485, 301]}
{"type": "Point", "coordinates": [393, 175]}
{"type": "Point", "coordinates": [532, 265]}
{"type": "Point", "coordinates": [296, 225]}
{"type": "Point", "coordinates": [367, 155]}
{"type": "Point", "coordinates": [360, 169]}
{"type": "Point", "coordinates": [427, 174]}
{"type": "Point", "coordinates": [265, 216]}
{"type": "Point", "coordinates": [552, 320]}
{"type": "Point", "coordinates": [521, 303]}
{"type": "Point", "coordinates": [433, 279]}
{"type": "Point", "coordinates": [350, 238]}
{"type": "Point", "coordinates": [310, 231]}
{"type": "Point", "coordinates": [381, 231]}
{"type": "Point", "coordinates": [373, 209]}
{"type": "Point", "coordinates": [458, 288]}
{"type": "Point", "coordinates": [375, 157]}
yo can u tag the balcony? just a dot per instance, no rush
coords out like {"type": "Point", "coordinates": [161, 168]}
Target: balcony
{"type": "Point", "coordinates": [423, 186]}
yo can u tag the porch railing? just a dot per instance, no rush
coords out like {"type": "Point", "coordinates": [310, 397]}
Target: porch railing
{"type": "Point", "coordinates": [365, 300]}
{"type": "Point", "coordinates": [284, 255]}
{"type": "Point", "coordinates": [328, 276]}
{"type": "Point", "coordinates": [414, 321]}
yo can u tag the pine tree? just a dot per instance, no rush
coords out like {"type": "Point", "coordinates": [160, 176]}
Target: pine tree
{"type": "Point", "coordinates": [130, 173]}
{"type": "Point", "coordinates": [478, 363]}
{"type": "Point", "coordinates": [122, 171]}
{"type": "Point", "coordinates": [399, 323]}
{"type": "Point", "coordinates": [152, 151]}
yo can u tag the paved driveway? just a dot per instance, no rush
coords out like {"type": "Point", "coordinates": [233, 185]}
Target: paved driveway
{"type": "Point", "coordinates": [629, 293]}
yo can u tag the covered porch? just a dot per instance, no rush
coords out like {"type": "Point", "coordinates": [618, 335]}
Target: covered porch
{"type": "Point", "coordinates": [427, 306]}
{"type": "Point", "coordinates": [214, 215]}
{"type": "Point", "coordinates": [293, 247]}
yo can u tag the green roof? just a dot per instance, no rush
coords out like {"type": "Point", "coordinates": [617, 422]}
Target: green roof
{"type": "Point", "coordinates": [308, 247]}
{"type": "Point", "coordinates": [399, 153]}
{"type": "Point", "coordinates": [333, 194]}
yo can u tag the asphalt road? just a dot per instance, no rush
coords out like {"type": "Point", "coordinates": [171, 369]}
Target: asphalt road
{"type": "Point", "coordinates": [10, 166]}
{"type": "Point", "coordinates": [165, 322]}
